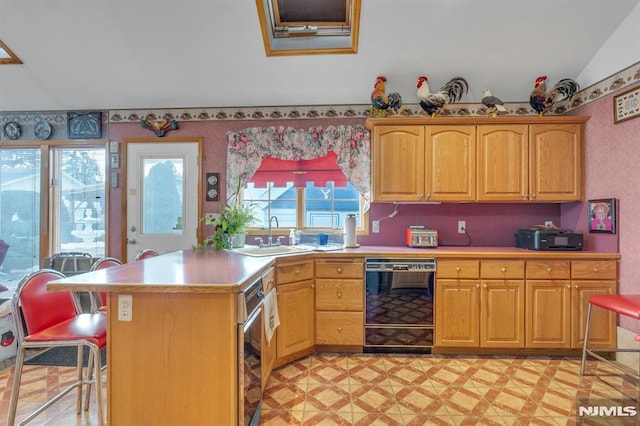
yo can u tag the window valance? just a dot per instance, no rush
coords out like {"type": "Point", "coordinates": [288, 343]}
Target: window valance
{"type": "Point", "coordinates": [248, 147]}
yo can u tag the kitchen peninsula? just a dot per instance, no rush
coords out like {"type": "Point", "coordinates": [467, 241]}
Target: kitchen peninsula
{"type": "Point", "coordinates": [175, 361]}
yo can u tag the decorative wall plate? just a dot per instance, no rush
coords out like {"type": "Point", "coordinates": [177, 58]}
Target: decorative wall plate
{"type": "Point", "coordinates": [12, 130]}
{"type": "Point", "coordinates": [84, 125]}
{"type": "Point", "coordinates": [42, 130]}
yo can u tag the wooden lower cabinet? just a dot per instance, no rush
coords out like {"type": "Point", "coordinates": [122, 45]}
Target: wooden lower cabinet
{"type": "Point", "coordinates": [502, 314]}
{"type": "Point", "coordinates": [296, 309]}
{"type": "Point", "coordinates": [457, 313]}
{"type": "Point", "coordinates": [548, 314]}
{"type": "Point", "coordinates": [603, 323]}
{"type": "Point", "coordinates": [339, 299]}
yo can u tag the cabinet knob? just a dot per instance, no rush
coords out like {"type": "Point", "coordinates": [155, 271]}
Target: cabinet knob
{"type": "Point", "coordinates": [458, 269]}
{"type": "Point", "coordinates": [297, 272]}
{"type": "Point", "coordinates": [339, 269]}
{"type": "Point", "coordinates": [533, 195]}
{"type": "Point", "coordinates": [549, 270]}
{"type": "Point", "coordinates": [339, 329]}
{"type": "Point", "coordinates": [478, 286]}
{"type": "Point", "coordinates": [428, 196]}
{"type": "Point", "coordinates": [568, 286]}
{"type": "Point", "coordinates": [339, 294]}
{"type": "Point", "coordinates": [484, 286]}
{"type": "Point", "coordinates": [595, 269]}
{"type": "Point", "coordinates": [503, 269]}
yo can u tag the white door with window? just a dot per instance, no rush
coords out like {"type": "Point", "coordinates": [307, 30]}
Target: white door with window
{"type": "Point", "coordinates": [162, 196]}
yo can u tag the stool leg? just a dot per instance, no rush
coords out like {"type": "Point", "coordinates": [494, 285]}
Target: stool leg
{"type": "Point", "coordinates": [586, 339]}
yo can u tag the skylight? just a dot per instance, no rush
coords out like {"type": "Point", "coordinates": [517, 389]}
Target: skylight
{"type": "Point", "coordinates": [301, 27]}
{"type": "Point", "coordinates": [7, 56]}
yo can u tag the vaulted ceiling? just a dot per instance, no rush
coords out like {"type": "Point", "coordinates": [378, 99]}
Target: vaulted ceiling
{"type": "Point", "coordinates": [86, 54]}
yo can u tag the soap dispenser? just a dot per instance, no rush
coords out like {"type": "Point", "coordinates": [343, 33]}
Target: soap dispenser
{"type": "Point", "coordinates": [292, 237]}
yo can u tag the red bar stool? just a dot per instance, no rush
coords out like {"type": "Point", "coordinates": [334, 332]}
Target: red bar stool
{"type": "Point", "coordinates": [146, 253]}
{"type": "Point", "coordinates": [101, 297]}
{"type": "Point", "coordinates": [622, 304]}
{"type": "Point", "coordinates": [52, 320]}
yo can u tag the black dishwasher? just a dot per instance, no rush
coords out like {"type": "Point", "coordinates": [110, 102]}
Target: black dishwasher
{"type": "Point", "coordinates": [399, 305]}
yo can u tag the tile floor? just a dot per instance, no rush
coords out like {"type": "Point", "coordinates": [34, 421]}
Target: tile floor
{"type": "Point", "coordinates": [364, 389]}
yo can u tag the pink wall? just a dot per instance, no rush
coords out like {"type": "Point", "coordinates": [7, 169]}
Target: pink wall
{"type": "Point", "coordinates": [613, 171]}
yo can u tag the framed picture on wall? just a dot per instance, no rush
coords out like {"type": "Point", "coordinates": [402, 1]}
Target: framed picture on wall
{"type": "Point", "coordinates": [602, 215]}
{"type": "Point", "coordinates": [626, 105]}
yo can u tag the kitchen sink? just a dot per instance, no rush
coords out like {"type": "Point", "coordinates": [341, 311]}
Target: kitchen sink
{"type": "Point", "coordinates": [257, 251]}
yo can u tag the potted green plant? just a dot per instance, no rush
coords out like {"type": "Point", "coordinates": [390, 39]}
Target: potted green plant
{"type": "Point", "coordinates": [231, 225]}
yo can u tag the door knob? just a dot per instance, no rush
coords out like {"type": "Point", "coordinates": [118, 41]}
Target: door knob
{"type": "Point", "coordinates": [131, 240]}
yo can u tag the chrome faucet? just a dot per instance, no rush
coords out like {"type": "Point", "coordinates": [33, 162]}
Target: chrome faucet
{"type": "Point", "coordinates": [270, 237]}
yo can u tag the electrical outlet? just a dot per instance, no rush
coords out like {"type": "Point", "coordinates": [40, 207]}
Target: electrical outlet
{"type": "Point", "coordinates": [462, 225]}
{"type": "Point", "coordinates": [375, 226]}
{"type": "Point", "coordinates": [125, 307]}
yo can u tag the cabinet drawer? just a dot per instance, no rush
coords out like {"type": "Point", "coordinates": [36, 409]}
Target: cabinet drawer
{"type": "Point", "coordinates": [340, 269]}
{"type": "Point", "coordinates": [294, 271]}
{"type": "Point", "coordinates": [269, 280]}
{"type": "Point", "coordinates": [594, 269]}
{"type": "Point", "coordinates": [548, 269]}
{"type": "Point", "coordinates": [500, 269]}
{"type": "Point", "coordinates": [457, 268]}
{"type": "Point", "coordinates": [339, 295]}
{"type": "Point", "coordinates": [339, 328]}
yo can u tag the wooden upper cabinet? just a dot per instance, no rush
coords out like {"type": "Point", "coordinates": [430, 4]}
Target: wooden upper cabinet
{"type": "Point", "coordinates": [398, 163]}
{"type": "Point", "coordinates": [556, 162]}
{"type": "Point", "coordinates": [507, 159]}
{"type": "Point", "coordinates": [450, 163]}
{"type": "Point", "coordinates": [503, 163]}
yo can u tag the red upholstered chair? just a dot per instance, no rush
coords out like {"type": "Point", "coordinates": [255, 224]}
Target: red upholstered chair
{"type": "Point", "coordinates": [146, 253]}
{"type": "Point", "coordinates": [102, 263]}
{"type": "Point", "coordinates": [52, 320]}
{"type": "Point", "coordinates": [622, 304]}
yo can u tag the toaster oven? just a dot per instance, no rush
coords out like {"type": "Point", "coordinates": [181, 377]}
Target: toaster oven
{"type": "Point", "coordinates": [421, 236]}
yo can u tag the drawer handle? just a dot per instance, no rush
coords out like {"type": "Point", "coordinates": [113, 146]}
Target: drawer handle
{"type": "Point", "coordinates": [339, 294]}
{"type": "Point", "coordinates": [339, 269]}
{"type": "Point", "coordinates": [339, 329]}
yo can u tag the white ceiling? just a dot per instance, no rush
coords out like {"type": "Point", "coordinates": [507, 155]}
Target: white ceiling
{"type": "Point", "coordinates": [125, 54]}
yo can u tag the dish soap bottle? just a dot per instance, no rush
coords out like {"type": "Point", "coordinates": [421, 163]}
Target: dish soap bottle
{"type": "Point", "coordinates": [292, 237]}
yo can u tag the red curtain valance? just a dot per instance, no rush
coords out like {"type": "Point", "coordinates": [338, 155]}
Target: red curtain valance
{"type": "Point", "coordinates": [318, 170]}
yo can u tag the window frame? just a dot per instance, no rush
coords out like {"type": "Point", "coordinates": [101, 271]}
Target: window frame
{"type": "Point", "coordinates": [48, 192]}
{"type": "Point", "coordinates": [362, 229]}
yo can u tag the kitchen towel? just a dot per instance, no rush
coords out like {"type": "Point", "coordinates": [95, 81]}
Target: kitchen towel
{"type": "Point", "coordinates": [270, 311]}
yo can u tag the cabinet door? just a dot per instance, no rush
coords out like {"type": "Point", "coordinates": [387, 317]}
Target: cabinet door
{"type": "Point", "coordinates": [555, 162]}
{"type": "Point", "coordinates": [603, 323]}
{"type": "Point", "coordinates": [502, 314]}
{"type": "Point", "coordinates": [268, 357]}
{"type": "Point", "coordinates": [457, 312]}
{"type": "Point", "coordinates": [548, 314]}
{"type": "Point", "coordinates": [398, 163]}
{"type": "Point", "coordinates": [451, 163]}
{"type": "Point", "coordinates": [503, 163]}
{"type": "Point", "coordinates": [296, 311]}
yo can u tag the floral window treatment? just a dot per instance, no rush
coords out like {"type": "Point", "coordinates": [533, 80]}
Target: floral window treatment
{"type": "Point", "coordinates": [352, 144]}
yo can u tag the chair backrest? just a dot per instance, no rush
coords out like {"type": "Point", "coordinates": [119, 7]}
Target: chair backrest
{"type": "Point", "coordinates": [146, 253]}
{"type": "Point", "coordinates": [105, 262]}
{"type": "Point", "coordinates": [37, 307]}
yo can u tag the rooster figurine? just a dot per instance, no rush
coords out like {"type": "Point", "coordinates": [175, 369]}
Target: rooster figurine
{"type": "Point", "coordinates": [451, 92]}
{"type": "Point", "coordinates": [159, 127]}
{"type": "Point", "coordinates": [542, 101]}
{"type": "Point", "coordinates": [494, 105]}
{"type": "Point", "coordinates": [380, 101]}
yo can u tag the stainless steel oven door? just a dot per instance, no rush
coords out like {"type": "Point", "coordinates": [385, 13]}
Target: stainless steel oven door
{"type": "Point", "coordinates": [250, 369]}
